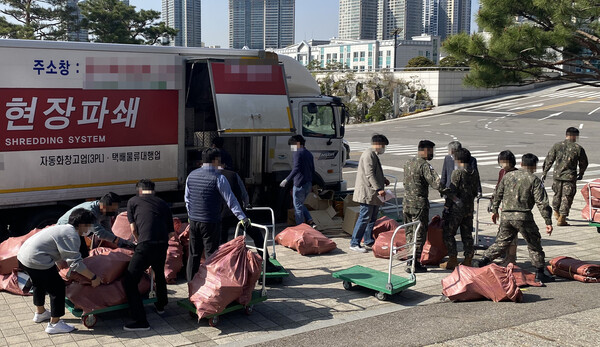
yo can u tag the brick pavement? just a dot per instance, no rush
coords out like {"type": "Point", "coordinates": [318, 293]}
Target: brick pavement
{"type": "Point", "coordinates": [309, 299]}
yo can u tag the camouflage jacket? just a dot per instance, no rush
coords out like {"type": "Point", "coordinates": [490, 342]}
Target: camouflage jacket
{"type": "Point", "coordinates": [567, 156]}
{"type": "Point", "coordinates": [418, 176]}
{"type": "Point", "coordinates": [518, 191]}
{"type": "Point", "coordinates": [464, 186]}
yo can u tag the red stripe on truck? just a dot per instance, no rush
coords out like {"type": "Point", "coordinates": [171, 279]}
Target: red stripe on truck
{"type": "Point", "coordinates": [248, 79]}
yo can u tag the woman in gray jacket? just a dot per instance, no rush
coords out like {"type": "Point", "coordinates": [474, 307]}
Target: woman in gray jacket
{"type": "Point", "coordinates": [370, 185]}
{"type": "Point", "coordinates": [38, 257]}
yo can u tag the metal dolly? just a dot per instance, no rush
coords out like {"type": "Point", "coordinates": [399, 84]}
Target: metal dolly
{"type": "Point", "coordinates": [482, 242]}
{"type": "Point", "coordinates": [279, 275]}
{"type": "Point", "coordinates": [383, 283]}
{"type": "Point", "coordinates": [257, 295]}
{"type": "Point", "coordinates": [592, 209]}
{"type": "Point", "coordinates": [89, 319]}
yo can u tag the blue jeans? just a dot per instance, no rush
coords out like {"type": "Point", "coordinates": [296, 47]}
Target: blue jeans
{"type": "Point", "coordinates": [367, 215]}
{"type": "Point", "coordinates": [299, 194]}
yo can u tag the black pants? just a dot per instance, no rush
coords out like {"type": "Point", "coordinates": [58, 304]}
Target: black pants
{"type": "Point", "coordinates": [255, 233]}
{"type": "Point", "coordinates": [204, 238]}
{"type": "Point", "coordinates": [146, 254]}
{"type": "Point", "coordinates": [47, 281]}
{"type": "Point", "coordinates": [83, 248]}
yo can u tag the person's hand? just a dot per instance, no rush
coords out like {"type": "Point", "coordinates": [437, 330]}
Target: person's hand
{"type": "Point", "coordinates": [247, 206]}
{"type": "Point", "coordinates": [580, 177]}
{"type": "Point", "coordinates": [96, 281]}
{"type": "Point", "coordinates": [122, 243]}
{"type": "Point", "coordinates": [381, 193]}
{"type": "Point", "coordinates": [246, 223]}
{"type": "Point", "coordinates": [387, 182]}
{"type": "Point", "coordinates": [495, 217]}
{"type": "Point", "coordinates": [283, 183]}
{"type": "Point", "coordinates": [549, 229]}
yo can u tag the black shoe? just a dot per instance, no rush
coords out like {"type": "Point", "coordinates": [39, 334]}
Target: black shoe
{"type": "Point", "coordinates": [137, 326]}
{"type": "Point", "coordinates": [541, 276]}
{"type": "Point", "coordinates": [159, 309]}
{"type": "Point", "coordinates": [483, 262]}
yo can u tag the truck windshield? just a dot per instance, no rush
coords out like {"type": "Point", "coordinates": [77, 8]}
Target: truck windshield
{"type": "Point", "coordinates": [319, 124]}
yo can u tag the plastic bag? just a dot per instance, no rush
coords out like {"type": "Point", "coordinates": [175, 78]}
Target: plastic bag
{"type": "Point", "coordinates": [10, 283]}
{"type": "Point", "coordinates": [305, 239]}
{"type": "Point", "coordinates": [382, 225]}
{"type": "Point", "coordinates": [9, 249]}
{"type": "Point", "coordinates": [88, 298]}
{"type": "Point", "coordinates": [381, 248]}
{"type": "Point", "coordinates": [493, 282]}
{"type": "Point", "coordinates": [228, 275]}
{"type": "Point", "coordinates": [434, 249]}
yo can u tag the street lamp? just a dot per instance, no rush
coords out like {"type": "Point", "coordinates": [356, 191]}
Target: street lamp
{"type": "Point", "coordinates": [396, 32]}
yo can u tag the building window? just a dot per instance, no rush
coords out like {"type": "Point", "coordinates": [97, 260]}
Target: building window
{"type": "Point", "coordinates": [388, 53]}
{"type": "Point", "coordinates": [355, 56]}
{"type": "Point", "coordinates": [362, 56]}
{"type": "Point", "coordinates": [334, 56]}
{"type": "Point", "coordinates": [361, 68]}
{"type": "Point", "coordinates": [370, 54]}
{"type": "Point", "coordinates": [348, 56]}
{"type": "Point", "coordinates": [328, 57]}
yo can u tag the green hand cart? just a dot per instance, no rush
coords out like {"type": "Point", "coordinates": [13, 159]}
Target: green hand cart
{"type": "Point", "coordinates": [257, 295]}
{"type": "Point", "coordinates": [384, 284]}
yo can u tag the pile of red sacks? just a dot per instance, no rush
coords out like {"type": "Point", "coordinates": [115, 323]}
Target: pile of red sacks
{"type": "Point", "coordinates": [9, 263]}
{"type": "Point", "coordinates": [578, 270]}
{"type": "Point", "coordinates": [228, 275]}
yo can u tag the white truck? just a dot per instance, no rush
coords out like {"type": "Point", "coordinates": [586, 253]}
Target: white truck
{"type": "Point", "coordinates": [78, 120]}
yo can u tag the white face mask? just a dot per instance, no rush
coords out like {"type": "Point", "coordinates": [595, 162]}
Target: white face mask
{"type": "Point", "coordinates": [294, 148]}
{"type": "Point", "coordinates": [380, 150]}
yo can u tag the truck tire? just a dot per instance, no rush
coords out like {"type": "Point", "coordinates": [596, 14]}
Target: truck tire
{"type": "Point", "coordinates": [37, 218]}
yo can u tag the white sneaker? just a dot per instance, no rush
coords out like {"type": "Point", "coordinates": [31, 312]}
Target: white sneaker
{"type": "Point", "coordinates": [358, 249]}
{"type": "Point", "coordinates": [40, 317]}
{"type": "Point", "coordinates": [58, 328]}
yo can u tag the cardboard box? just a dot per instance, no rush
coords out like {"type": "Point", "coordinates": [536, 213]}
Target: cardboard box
{"type": "Point", "coordinates": [314, 203]}
{"type": "Point", "coordinates": [350, 218]}
{"type": "Point", "coordinates": [324, 219]}
{"type": "Point", "coordinates": [348, 202]}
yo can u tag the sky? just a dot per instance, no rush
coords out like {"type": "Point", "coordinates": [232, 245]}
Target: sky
{"type": "Point", "coordinates": [316, 19]}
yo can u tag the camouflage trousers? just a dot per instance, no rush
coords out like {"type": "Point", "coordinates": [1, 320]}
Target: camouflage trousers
{"type": "Point", "coordinates": [451, 221]}
{"type": "Point", "coordinates": [413, 215]}
{"type": "Point", "coordinates": [564, 192]}
{"type": "Point", "coordinates": [508, 232]}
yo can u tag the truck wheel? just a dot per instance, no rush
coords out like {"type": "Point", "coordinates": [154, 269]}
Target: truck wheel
{"type": "Point", "coordinates": [43, 219]}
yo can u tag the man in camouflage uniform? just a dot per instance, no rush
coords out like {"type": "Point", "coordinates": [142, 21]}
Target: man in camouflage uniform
{"type": "Point", "coordinates": [567, 154]}
{"type": "Point", "coordinates": [418, 176]}
{"type": "Point", "coordinates": [518, 191]}
{"type": "Point", "coordinates": [458, 210]}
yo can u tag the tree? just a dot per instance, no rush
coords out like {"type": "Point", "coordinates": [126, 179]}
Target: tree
{"type": "Point", "coordinates": [380, 110]}
{"type": "Point", "coordinates": [115, 22]}
{"type": "Point", "coordinates": [37, 19]}
{"type": "Point", "coordinates": [313, 65]}
{"type": "Point", "coordinates": [452, 61]}
{"type": "Point", "coordinates": [419, 62]}
{"type": "Point", "coordinates": [552, 40]}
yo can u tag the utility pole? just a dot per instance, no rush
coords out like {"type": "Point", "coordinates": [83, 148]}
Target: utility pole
{"type": "Point", "coordinates": [396, 32]}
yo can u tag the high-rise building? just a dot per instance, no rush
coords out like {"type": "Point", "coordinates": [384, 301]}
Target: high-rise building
{"type": "Point", "coordinates": [260, 24]}
{"type": "Point", "coordinates": [431, 17]}
{"type": "Point", "coordinates": [454, 17]}
{"type": "Point", "coordinates": [358, 19]}
{"type": "Point", "coordinates": [402, 15]}
{"type": "Point", "coordinates": [183, 15]}
{"type": "Point", "coordinates": [81, 34]}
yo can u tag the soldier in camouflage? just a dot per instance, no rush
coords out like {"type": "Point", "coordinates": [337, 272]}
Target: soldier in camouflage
{"type": "Point", "coordinates": [567, 154]}
{"type": "Point", "coordinates": [518, 191]}
{"type": "Point", "coordinates": [418, 176]}
{"type": "Point", "coordinates": [458, 210]}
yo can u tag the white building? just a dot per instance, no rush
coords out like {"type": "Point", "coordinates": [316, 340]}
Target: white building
{"type": "Point", "coordinates": [364, 55]}
{"type": "Point", "coordinates": [183, 15]}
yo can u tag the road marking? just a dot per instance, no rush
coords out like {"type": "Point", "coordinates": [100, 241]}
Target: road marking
{"type": "Point", "coordinates": [392, 168]}
{"type": "Point", "coordinates": [528, 133]}
{"type": "Point", "coordinates": [488, 185]}
{"type": "Point", "coordinates": [423, 125]}
{"type": "Point", "coordinates": [522, 107]}
{"type": "Point", "coordinates": [482, 119]}
{"type": "Point", "coordinates": [581, 126]}
{"type": "Point", "coordinates": [445, 124]}
{"type": "Point", "coordinates": [555, 105]}
{"type": "Point", "coordinates": [550, 134]}
{"type": "Point", "coordinates": [596, 109]}
{"type": "Point", "coordinates": [552, 115]}
{"type": "Point", "coordinates": [464, 121]}
{"type": "Point", "coordinates": [516, 146]}
{"type": "Point", "coordinates": [508, 131]}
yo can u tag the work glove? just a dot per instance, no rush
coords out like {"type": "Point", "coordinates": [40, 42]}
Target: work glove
{"type": "Point", "coordinates": [246, 223]}
{"type": "Point", "coordinates": [580, 177]}
{"type": "Point", "coordinates": [122, 243]}
{"type": "Point", "coordinates": [283, 183]}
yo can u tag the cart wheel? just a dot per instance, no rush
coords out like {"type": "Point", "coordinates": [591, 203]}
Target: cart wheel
{"type": "Point", "coordinates": [89, 321]}
{"type": "Point", "coordinates": [249, 310]}
{"type": "Point", "coordinates": [213, 321]}
{"type": "Point", "coordinates": [381, 296]}
{"type": "Point", "coordinates": [347, 285]}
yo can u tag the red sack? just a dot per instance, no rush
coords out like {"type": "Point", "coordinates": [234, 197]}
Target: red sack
{"type": "Point", "coordinates": [9, 249]}
{"type": "Point", "coordinates": [229, 274]}
{"type": "Point", "coordinates": [305, 239]}
{"type": "Point", "coordinates": [121, 227]}
{"type": "Point", "coordinates": [576, 266]}
{"type": "Point", "coordinates": [434, 249]}
{"type": "Point", "coordinates": [108, 264]}
{"type": "Point", "coordinates": [493, 282]}
{"type": "Point", "coordinates": [88, 298]}
{"type": "Point", "coordinates": [174, 261]}
{"type": "Point", "coordinates": [10, 283]}
{"type": "Point", "coordinates": [525, 278]}
{"type": "Point", "coordinates": [586, 212]}
{"type": "Point", "coordinates": [184, 238]}
{"type": "Point", "coordinates": [571, 275]}
{"type": "Point", "coordinates": [382, 225]}
{"type": "Point", "coordinates": [381, 248]}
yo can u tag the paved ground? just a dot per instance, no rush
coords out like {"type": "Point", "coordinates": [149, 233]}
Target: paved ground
{"type": "Point", "coordinates": [312, 308]}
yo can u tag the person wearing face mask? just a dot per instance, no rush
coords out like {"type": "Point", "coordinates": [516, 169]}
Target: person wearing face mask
{"type": "Point", "coordinates": [419, 175]}
{"type": "Point", "coordinates": [302, 174]}
{"type": "Point", "coordinates": [370, 185]}
{"type": "Point", "coordinates": [508, 163]}
{"type": "Point", "coordinates": [104, 209]}
{"type": "Point", "coordinates": [38, 256]}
